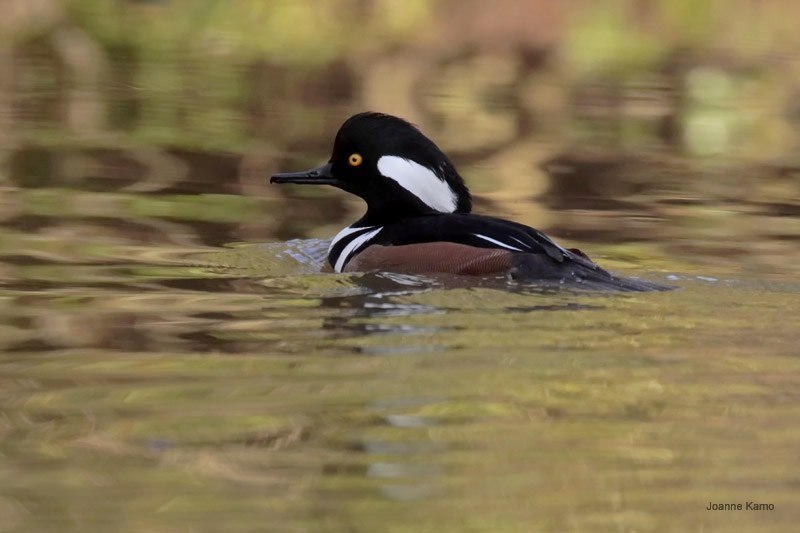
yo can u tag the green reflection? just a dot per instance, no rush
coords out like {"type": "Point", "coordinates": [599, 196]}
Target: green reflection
{"type": "Point", "coordinates": [156, 377]}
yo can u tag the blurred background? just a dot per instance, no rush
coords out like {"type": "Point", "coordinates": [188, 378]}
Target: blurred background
{"type": "Point", "coordinates": [159, 371]}
{"type": "Point", "coordinates": [671, 123]}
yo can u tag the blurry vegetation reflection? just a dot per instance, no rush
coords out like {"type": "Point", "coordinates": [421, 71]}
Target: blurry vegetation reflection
{"type": "Point", "coordinates": [137, 136]}
{"type": "Point", "coordinates": [672, 122]}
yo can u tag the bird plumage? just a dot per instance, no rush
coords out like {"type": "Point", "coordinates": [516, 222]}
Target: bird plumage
{"type": "Point", "coordinates": [418, 215]}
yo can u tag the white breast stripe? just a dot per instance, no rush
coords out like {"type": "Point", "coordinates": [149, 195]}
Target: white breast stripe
{"type": "Point", "coordinates": [504, 245]}
{"type": "Point", "coordinates": [420, 181]}
{"type": "Point", "coordinates": [353, 245]}
{"type": "Point", "coordinates": [344, 233]}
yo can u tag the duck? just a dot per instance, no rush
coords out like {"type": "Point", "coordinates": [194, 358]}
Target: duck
{"type": "Point", "coordinates": [419, 217]}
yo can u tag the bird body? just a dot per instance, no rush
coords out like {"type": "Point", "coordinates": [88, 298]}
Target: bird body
{"type": "Point", "coordinates": [418, 217]}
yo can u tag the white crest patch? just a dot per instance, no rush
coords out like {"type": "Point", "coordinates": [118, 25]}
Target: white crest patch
{"type": "Point", "coordinates": [353, 245]}
{"type": "Point", "coordinates": [420, 181]}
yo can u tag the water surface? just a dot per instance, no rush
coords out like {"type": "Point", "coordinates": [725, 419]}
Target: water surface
{"type": "Point", "coordinates": [174, 360]}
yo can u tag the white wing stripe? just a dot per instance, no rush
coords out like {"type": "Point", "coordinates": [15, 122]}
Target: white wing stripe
{"type": "Point", "coordinates": [504, 245]}
{"type": "Point", "coordinates": [353, 245]}
{"type": "Point", "coordinates": [519, 241]}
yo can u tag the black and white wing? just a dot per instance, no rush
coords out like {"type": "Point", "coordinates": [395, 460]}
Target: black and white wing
{"type": "Point", "coordinates": [479, 231]}
{"type": "Point", "coordinates": [534, 256]}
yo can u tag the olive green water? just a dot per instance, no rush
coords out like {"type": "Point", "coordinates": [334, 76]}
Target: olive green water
{"type": "Point", "coordinates": [174, 360]}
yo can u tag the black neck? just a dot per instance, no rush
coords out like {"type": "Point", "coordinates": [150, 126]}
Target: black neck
{"type": "Point", "coordinates": [382, 215]}
{"type": "Point", "coordinates": [388, 205]}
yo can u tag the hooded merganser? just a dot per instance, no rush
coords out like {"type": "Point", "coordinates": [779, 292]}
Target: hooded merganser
{"type": "Point", "coordinates": [418, 216]}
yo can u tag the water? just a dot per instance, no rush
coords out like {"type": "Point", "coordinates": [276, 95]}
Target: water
{"type": "Point", "coordinates": [173, 359]}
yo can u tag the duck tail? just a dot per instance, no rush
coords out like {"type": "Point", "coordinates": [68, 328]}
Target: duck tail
{"type": "Point", "coordinates": [581, 274]}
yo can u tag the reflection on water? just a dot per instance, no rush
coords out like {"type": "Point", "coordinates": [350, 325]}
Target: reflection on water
{"type": "Point", "coordinates": [175, 358]}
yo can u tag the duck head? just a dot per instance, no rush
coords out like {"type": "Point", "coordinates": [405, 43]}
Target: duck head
{"type": "Point", "coordinates": [392, 166]}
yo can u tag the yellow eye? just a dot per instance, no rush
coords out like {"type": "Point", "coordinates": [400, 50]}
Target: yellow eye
{"type": "Point", "coordinates": [355, 160]}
